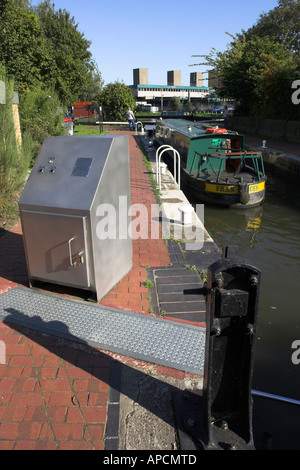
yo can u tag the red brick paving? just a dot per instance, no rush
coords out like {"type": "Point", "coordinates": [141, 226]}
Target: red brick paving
{"type": "Point", "coordinates": [130, 292]}
{"type": "Point", "coordinates": [54, 393]}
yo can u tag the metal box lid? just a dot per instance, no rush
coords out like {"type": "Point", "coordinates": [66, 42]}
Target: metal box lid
{"type": "Point", "coordinates": [68, 170]}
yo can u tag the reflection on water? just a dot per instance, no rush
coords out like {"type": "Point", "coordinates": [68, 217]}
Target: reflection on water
{"type": "Point", "coordinates": [268, 236]}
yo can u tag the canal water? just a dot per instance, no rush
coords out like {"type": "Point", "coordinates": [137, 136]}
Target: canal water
{"type": "Point", "coordinates": [269, 237]}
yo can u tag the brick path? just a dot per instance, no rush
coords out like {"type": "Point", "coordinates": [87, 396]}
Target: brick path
{"type": "Point", "coordinates": [54, 394]}
{"type": "Point", "coordinates": [130, 292]}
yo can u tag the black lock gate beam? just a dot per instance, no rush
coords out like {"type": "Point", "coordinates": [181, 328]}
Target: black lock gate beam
{"type": "Point", "coordinates": [222, 417]}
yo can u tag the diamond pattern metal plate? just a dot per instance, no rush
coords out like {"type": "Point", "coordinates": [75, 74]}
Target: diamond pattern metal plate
{"type": "Point", "coordinates": [156, 340]}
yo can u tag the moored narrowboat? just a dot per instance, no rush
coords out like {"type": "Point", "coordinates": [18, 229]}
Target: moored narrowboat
{"type": "Point", "coordinates": [215, 167]}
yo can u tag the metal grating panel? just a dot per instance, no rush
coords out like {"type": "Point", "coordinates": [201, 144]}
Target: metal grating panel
{"type": "Point", "coordinates": [143, 337]}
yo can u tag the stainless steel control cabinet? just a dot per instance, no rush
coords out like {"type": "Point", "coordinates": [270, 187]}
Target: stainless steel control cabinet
{"type": "Point", "coordinates": [74, 213]}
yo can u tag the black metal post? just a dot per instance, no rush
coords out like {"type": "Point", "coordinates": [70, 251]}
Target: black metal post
{"type": "Point", "coordinates": [232, 304]}
{"type": "Point", "coordinates": [223, 420]}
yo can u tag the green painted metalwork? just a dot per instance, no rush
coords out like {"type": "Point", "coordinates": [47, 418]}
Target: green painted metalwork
{"type": "Point", "coordinates": [203, 152]}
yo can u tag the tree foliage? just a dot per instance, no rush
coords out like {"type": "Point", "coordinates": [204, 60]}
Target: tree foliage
{"type": "Point", "coordinates": [115, 99]}
{"type": "Point", "coordinates": [47, 60]}
{"type": "Point", "coordinates": [282, 24]}
{"type": "Point", "coordinates": [14, 158]}
{"type": "Point", "coordinates": [43, 46]}
{"type": "Point", "coordinates": [259, 66]}
{"type": "Point", "coordinates": [24, 49]}
{"type": "Point", "coordinates": [69, 50]}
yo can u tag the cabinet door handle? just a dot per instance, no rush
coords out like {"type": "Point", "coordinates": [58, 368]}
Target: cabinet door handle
{"type": "Point", "coordinates": [70, 251]}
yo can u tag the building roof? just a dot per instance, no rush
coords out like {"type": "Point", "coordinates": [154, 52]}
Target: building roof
{"type": "Point", "coordinates": [172, 87]}
{"type": "Point", "coordinates": [82, 103]}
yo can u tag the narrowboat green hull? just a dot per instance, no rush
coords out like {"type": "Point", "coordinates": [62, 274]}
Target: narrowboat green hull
{"type": "Point", "coordinates": [215, 167]}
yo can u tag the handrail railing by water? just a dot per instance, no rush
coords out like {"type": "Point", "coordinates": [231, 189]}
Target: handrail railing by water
{"type": "Point", "coordinates": [136, 127]}
{"type": "Point", "coordinates": [291, 401]}
{"type": "Point", "coordinates": [158, 155]}
{"type": "Point", "coordinates": [243, 156]}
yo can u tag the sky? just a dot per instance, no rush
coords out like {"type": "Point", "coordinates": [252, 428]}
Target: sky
{"type": "Point", "coordinates": [159, 35]}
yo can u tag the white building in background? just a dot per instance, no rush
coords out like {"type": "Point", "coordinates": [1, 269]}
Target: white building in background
{"type": "Point", "coordinates": [159, 95]}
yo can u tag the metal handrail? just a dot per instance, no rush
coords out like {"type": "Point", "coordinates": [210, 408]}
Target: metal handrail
{"type": "Point", "coordinates": [158, 157]}
{"type": "Point", "coordinates": [275, 397]}
{"type": "Point", "coordinates": [175, 152]}
{"type": "Point", "coordinates": [242, 155]}
{"type": "Point", "coordinates": [142, 129]}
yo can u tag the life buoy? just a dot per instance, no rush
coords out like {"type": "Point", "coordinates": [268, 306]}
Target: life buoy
{"type": "Point", "coordinates": [213, 130]}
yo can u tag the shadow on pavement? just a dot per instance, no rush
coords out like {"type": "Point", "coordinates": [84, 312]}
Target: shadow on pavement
{"type": "Point", "coordinates": [143, 392]}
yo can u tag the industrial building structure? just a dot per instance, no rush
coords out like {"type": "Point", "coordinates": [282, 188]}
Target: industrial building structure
{"type": "Point", "coordinates": [155, 97]}
{"type": "Point", "coordinates": [160, 95]}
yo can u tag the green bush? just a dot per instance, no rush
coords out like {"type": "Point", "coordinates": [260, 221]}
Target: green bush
{"type": "Point", "coordinates": [40, 115]}
{"type": "Point", "coordinates": [115, 99]}
{"type": "Point", "coordinates": [14, 157]}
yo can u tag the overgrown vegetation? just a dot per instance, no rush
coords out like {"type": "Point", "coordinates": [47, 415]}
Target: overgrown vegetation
{"type": "Point", "coordinates": [41, 115]}
{"type": "Point", "coordinates": [44, 47]}
{"type": "Point", "coordinates": [259, 65]}
{"type": "Point", "coordinates": [15, 158]}
{"type": "Point", "coordinates": [148, 165]}
{"type": "Point", "coordinates": [46, 60]}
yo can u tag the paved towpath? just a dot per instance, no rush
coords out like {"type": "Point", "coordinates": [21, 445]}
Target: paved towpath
{"type": "Point", "coordinates": [58, 394]}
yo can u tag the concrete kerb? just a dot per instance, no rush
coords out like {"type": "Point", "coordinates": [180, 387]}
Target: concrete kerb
{"type": "Point", "coordinates": [147, 420]}
{"type": "Point", "coordinates": [287, 163]}
{"type": "Point", "coordinates": [148, 416]}
{"type": "Point", "coordinates": [173, 203]}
